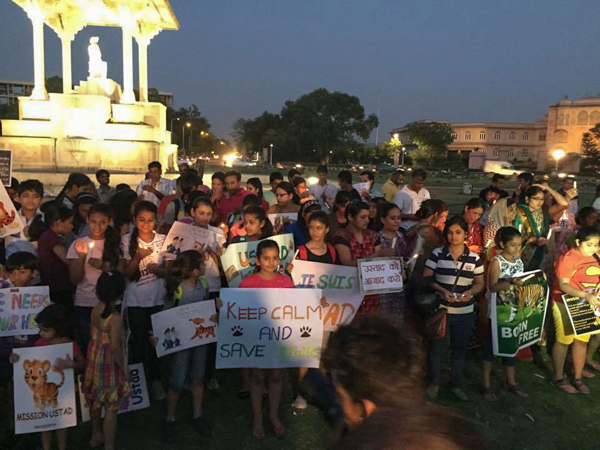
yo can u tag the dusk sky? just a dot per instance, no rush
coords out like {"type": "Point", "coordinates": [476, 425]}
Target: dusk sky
{"type": "Point", "coordinates": [453, 60]}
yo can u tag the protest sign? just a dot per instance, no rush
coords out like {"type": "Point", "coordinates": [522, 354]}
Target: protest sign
{"type": "Point", "coordinates": [139, 399]}
{"type": "Point", "coordinates": [183, 236]}
{"type": "Point", "coordinates": [584, 317]}
{"type": "Point", "coordinates": [238, 259]}
{"type": "Point", "coordinates": [10, 219]}
{"type": "Point", "coordinates": [362, 187]}
{"type": "Point", "coordinates": [380, 275]}
{"type": "Point", "coordinates": [184, 327]}
{"type": "Point", "coordinates": [270, 328]}
{"type": "Point", "coordinates": [281, 219]}
{"type": "Point", "coordinates": [6, 167]}
{"type": "Point", "coordinates": [340, 288]}
{"type": "Point", "coordinates": [518, 315]}
{"type": "Point", "coordinates": [18, 308]}
{"type": "Point", "coordinates": [44, 394]}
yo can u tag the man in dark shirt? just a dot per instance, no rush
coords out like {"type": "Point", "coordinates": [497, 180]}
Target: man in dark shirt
{"type": "Point", "coordinates": [345, 182]}
{"type": "Point", "coordinates": [498, 183]}
{"type": "Point", "coordinates": [525, 180]}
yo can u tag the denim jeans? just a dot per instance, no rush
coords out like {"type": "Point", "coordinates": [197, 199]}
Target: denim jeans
{"type": "Point", "coordinates": [187, 364]}
{"type": "Point", "coordinates": [459, 328]}
{"type": "Point", "coordinates": [83, 322]}
{"type": "Point", "coordinates": [141, 351]}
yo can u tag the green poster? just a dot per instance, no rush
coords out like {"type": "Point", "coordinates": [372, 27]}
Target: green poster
{"type": "Point", "coordinates": [518, 315]}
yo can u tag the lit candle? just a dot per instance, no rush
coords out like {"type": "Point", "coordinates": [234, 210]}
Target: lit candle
{"type": "Point", "coordinates": [520, 228]}
{"type": "Point", "coordinates": [549, 233]}
{"type": "Point", "coordinates": [296, 254]}
{"type": "Point", "coordinates": [90, 250]}
{"type": "Point", "coordinates": [488, 244]}
{"type": "Point", "coordinates": [394, 243]}
{"type": "Point", "coordinates": [575, 184]}
{"type": "Point", "coordinates": [415, 256]}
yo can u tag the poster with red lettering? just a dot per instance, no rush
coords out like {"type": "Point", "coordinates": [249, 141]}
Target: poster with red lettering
{"type": "Point", "coordinates": [380, 275]}
{"type": "Point", "coordinates": [18, 308]}
{"type": "Point", "coordinates": [270, 328]}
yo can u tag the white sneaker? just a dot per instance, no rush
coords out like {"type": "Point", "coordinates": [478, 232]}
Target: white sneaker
{"type": "Point", "coordinates": [213, 385]}
{"type": "Point", "coordinates": [158, 393]}
{"type": "Point", "coordinates": [300, 402]}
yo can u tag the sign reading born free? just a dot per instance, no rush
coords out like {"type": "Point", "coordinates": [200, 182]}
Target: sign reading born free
{"type": "Point", "coordinates": [238, 259]}
{"type": "Point", "coordinates": [380, 275]}
{"type": "Point", "coordinates": [270, 328]}
{"type": "Point", "coordinates": [340, 289]}
{"type": "Point", "coordinates": [18, 308]}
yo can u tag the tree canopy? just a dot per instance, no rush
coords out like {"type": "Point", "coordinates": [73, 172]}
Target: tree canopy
{"type": "Point", "coordinates": [432, 140]}
{"type": "Point", "coordinates": [589, 148]}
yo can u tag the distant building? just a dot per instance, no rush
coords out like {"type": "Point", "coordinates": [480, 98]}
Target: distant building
{"type": "Point", "coordinates": [561, 129]}
{"type": "Point", "coordinates": [11, 90]}
{"type": "Point", "coordinates": [167, 99]}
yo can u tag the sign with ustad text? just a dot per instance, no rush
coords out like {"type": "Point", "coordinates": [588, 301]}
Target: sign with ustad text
{"type": "Point", "coordinates": [380, 275]}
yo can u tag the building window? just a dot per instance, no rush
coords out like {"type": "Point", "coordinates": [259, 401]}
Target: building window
{"type": "Point", "coordinates": [482, 135]}
{"type": "Point", "coordinates": [525, 136]}
{"type": "Point", "coordinates": [496, 153]}
{"type": "Point", "coordinates": [561, 136]}
{"type": "Point", "coordinates": [454, 136]}
{"type": "Point", "coordinates": [524, 153]}
{"type": "Point", "coordinates": [512, 136]}
{"type": "Point", "coordinates": [511, 153]}
{"type": "Point", "coordinates": [542, 137]}
{"type": "Point", "coordinates": [594, 118]}
{"type": "Point", "coordinates": [468, 136]}
{"type": "Point", "coordinates": [497, 136]}
{"type": "Point", "coordinates": [582, 118]}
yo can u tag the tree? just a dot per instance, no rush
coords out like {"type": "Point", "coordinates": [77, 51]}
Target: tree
{"type": "Point", "coordinates": [431, 139]}
{"type": "Point", "coordinates": [198, 130]}
{"type": "Point", "coordinates": [589, 148]}
{"type": "Point", "coordinates": [54, 85]}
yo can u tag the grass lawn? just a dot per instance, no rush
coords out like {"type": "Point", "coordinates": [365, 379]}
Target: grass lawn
{"type": "Point", "coordinates": [548, 419]}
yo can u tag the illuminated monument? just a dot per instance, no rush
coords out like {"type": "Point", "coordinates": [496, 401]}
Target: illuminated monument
{"type": "Point", "coordinates": [97, 124]}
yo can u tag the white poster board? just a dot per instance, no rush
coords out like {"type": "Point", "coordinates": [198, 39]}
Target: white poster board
{"type": "Point", "coordinates": [238, 259]}
{"type": "Point", "coordinates": [380, 275]}
{"type": "Point", "coordinates": [184, 327]}
{"type": "Point", "coordinates": [183, 236]}
{"type": "Point", "coordinates": [18, 308]}
{"type": "Point", "coordinates": [281, 219]}
{"type": "Point", "coordinates": [140, 398]}
{"type": "Point", "coordinates": [10, 220]}
{"type": "Point", "coordinates": [6, 166]}
{"type": "Point", "coordinates": [44, 394]}
{"type": "Point", "coordinates": [340, 286]}
{"type": "Point", "coordinates": [270, 328]}
{"type": "Point", "coordinates": [362, 187]}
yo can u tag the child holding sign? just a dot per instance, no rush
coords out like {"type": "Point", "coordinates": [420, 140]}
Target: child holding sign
{"type": "Point", "coordinates": [267, 263]}
{"type": "Point", "coordinates": [256, 224]}
{"type": "Point", "coordinates": [106, 384]}
{"type": "Point", "coordinates": [55, 328]}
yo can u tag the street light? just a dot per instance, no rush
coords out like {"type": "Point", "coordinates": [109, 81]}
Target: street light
{"type": "Point", "coordinates": [403, 151]}
{"type": "Point", "coordinates": [271, 158]}
{"type": "Point", "coordinates": [191, 134]}
{"type": "Point", "coordinates": [174, 118]}
{"type": "Point", "coordinates": [558, 154]}
{"type": "Point", "coordinates": [187, 124]}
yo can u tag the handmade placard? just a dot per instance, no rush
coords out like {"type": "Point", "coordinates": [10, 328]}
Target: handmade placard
{"type": "Point", "coordinates": [362, 187]}
{"type": "Point", "coordinates": [44, 394]}
{"type": "Point", "coordinates": [183, 236]}
{"type": "Point", "coordinates": [139, 399]}
{"type": "Point", "coordinates": [340, 287]}
{"type": "Point", "coordinates": [270, 328]}
{"type": "Point", "coordinates": [380, 275]}
{"type": "Point", "coordinates": [18, 308]}
{"type": "Point", "coordinates": [10, 219]}
{"type": "Point", "coordinates": [238, 259]}
{"type": "Point", "coordinates": [184, 327]}
{"type": "Point", "coordinates": [281, 219]}
{"type": "Point", "coordinates": [6, 167]}
{"type": "Point", "coordinates": [584, 317]}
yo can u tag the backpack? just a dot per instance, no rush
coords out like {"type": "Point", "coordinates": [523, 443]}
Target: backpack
{"type": "Point", "coordinates": [303, 253]}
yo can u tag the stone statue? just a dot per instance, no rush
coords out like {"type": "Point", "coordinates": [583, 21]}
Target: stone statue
{"type": "Point", "coordinates": [97, 67]}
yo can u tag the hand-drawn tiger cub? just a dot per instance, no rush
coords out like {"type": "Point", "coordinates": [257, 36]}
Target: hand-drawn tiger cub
{"type": "Point", "coordinates": [44, 393]}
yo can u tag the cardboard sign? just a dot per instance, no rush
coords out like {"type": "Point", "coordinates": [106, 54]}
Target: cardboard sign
{"type": "Point", "coordinates": [183, 236]}
{"type": "Point", "coordinates": [139, 399]}
{"type": "Point", "coordinates": [238, 259]}
{"type": "Point", "coordinates": [44, 394]}
{"type": "Point", "coordinates": [340, 287]}
{"type": "Point", "coordinates": [281, 219]}
{"type": "Point", "coordinates": [518, 315]}
{"type": "Point", "coordinates": [584, 317]}
{"type": "Point", "coordinates": [184, 327]}
{"type": "Point", "coordinates": [6, 167]}
{"type": "Point", "coordinates": [10, 220]}
{"type": "Point", "coordinates": [270, 328]}
{"type": "Point", "coordinates": [380, 275]}
{"type": "Point", "coordinates": [18, 308]}
{"type": "Point", "coordinates": [362, 187]}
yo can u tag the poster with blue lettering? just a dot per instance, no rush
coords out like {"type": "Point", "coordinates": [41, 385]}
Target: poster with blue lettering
{"type": "Point", "coordinates": [44, 393]}
{"type": "Point", "coordinates": [340, 286]}
{"type": "Point", "coordinates": [270, 328]}
{"type": "Point", "coordinates": [18, 308]}
{"type": "Point", "coordinates": [139, 399]}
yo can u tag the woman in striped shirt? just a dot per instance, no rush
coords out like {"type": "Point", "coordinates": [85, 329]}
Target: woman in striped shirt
{"type": "Point", "coordinates": [458, 277]}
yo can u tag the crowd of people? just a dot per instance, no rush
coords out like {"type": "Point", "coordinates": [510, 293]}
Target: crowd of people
{"type": "Point", "coordinates": [98, 249]}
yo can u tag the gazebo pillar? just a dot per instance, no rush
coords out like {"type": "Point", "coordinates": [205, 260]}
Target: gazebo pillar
{"type": "Point", "coordinates": [128, 95]}
{"type": "Point", "coordinates": [143, 67]}
{"type": "Point", "coordinates": [67, 73]}
{"type": "Point", "coordinates": [39, 90]}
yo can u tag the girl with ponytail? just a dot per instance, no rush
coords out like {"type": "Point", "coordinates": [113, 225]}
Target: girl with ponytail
{"type": "Point", "coordinates": [145, 294]}
{"type": "Point", "coordinates": [88, 257]}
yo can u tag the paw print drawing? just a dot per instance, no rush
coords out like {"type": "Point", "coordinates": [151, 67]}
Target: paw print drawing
{"type": "Point", "coordinates": [305, 332]}
{"type": "Point", "coordinates": [237, 331]}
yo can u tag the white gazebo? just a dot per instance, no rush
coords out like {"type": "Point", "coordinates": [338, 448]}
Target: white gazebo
{"type": "Point", "coordinates": [98, 123]}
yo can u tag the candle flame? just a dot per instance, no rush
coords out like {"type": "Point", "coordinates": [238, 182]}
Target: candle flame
{"type": "Point", "coordinates": [91, 245]}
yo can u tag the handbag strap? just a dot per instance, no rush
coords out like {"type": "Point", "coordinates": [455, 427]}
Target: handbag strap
{"type": "Point", "coordinates": [458, 276]}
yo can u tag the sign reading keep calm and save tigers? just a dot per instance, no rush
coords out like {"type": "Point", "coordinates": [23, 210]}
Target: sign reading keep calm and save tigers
{"type": "Point", "coordinates": [44, 393]}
